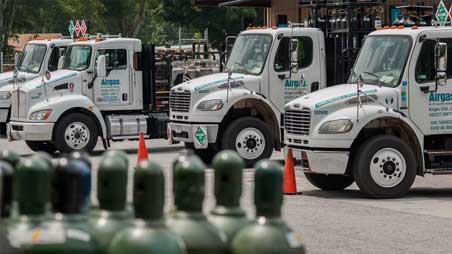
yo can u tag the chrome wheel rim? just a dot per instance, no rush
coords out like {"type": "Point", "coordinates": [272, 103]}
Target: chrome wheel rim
{"type": "Point", "coordinates": [250, 143]}
{"type": "Point", "coordinates": [388, 167]}
{"type": "Point", "coordinates": [77, 135]}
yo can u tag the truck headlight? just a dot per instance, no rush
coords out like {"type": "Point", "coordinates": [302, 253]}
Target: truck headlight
{"type": "Point", "coordinates": [5, 95]}
{"type": "Point", "coordinates": [210, 105]}
{"type": "Point", "coordinates": [41, 114]}
{"type": "Point", "coordinates": [336, 126]}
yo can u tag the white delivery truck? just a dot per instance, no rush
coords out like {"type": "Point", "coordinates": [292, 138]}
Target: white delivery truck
{"type": "Point", "coordinates": [242, 108]}
{"type": "Point", "coordinates": [37, 57]}
{"type": "Point", "coordinates": [391, 123]}
{"type": "Point", "coordinates": [104, 88]}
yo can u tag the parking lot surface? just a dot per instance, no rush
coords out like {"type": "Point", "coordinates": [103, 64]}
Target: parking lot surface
{"type": "Point", "coordinates": [330, 222]}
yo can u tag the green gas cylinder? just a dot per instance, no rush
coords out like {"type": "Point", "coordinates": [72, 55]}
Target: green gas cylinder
{"type": "Point", "coordinates": [269, 233]}
{"type": "Point", "coordinates": [116, 154]}
{"type": "Point", "coordinates": [227, 214]}
{"type": "Point", "coordinates": [31, 187]}
{"type": "Point", "coordinates": [199, 234]}
{"type": "Point", "coordinates": [111, 216]}
{"type": "Point", "coordinates": [6, 190]}
{"type": "Point", "coordinates": [69, 230]}
{"type": "Point", "coordinates": [148, 233]}
{"type": "Point", "coordinates": [10, 156]}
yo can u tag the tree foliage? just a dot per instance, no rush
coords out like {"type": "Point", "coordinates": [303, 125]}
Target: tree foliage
{"type": "Point", "coordinates": [155, 21]}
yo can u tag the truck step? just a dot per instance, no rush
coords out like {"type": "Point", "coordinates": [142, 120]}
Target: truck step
{"type": "Point", "coordinates": [439, 171]}
{"type": "Point", "coordinates": [438, 152]}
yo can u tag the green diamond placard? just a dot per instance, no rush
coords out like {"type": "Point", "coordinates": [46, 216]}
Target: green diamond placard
{"type": "Point", "coordinates": [442, 14]}
{"type": "Point", "coordinates": [200, 135]}
{"type": "Point", "coordinates": [71, 28]}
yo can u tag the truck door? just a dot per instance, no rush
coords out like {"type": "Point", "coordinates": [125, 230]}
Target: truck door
{"type": "Point", "coordinates": [430, 110]}
{"type": "Point", "coordinates": [52, 64]}
{"type": "Point", "coordinates": [284, 85]}
{"type": "Point", "coordinates": [113, 91]}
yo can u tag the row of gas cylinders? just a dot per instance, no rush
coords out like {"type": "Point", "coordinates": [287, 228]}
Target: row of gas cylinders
{"type": "Point", "coordinates": [45, 207]}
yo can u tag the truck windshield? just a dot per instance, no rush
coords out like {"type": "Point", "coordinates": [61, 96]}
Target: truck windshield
{"type": "Point", "coordinates": [249, 53]}
{"type": "Point", "coordinates": [382, 59]}
{"type": "Point", "coordinates": [32, 58]}
{"type": "Point", "coordinates": [77, 58]}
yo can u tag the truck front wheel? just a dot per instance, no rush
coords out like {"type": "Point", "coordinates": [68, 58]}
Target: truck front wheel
{"type": "Point", "coordinates": [384, 167]}
{"type": "Point", "coordinates": [76, 132]}
{"type": "Point", "coordinates": [251, 138]}
{"type": "Point", "coordinates": [39, 146]}
{"type": "Point", "coordinates": [329, 182]}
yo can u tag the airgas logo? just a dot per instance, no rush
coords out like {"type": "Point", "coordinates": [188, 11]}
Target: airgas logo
{"type": "Point", "coordinates": [110, 82]}
{"type": "Point", "coordinates": [440, 97]}
{"type": "Point", "coordinates": [293, 83]}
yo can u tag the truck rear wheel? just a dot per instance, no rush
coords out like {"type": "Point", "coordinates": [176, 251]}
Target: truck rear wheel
{"type": "Point", "coordinates": [76, 132]}
{"type": "Point", "coordinates": [251, 138]}
{"type": "Point", "coordinates": [40, 146]}
{"type": "Point", "coordinates": [329, 182]}
{"type": "Point", "coordinates": [384, 167]}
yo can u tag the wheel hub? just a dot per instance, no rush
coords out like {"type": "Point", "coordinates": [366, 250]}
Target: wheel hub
{"type": "Point", "coordinates": [250, 143]}
{"type": "Point", "coordinates": [77, 135]}
{"type": "Point", "coordinates": [388, 167]}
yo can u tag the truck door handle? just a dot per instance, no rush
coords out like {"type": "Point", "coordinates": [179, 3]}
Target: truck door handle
{"type": "Point", "coordinates": [282, 76]}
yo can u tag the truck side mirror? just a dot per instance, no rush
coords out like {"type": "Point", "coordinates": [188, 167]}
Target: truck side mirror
{"type": "Point", "coordinates": [60, 62]}
{"type": "Point", "coordinates": [101, 67]}
{"type": "Point", "coordinates": [441, 63]}
{"type": "Point", "coordinates": [294, 55]}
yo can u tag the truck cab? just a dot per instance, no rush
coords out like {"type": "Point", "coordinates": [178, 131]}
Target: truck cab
{"type": "Point", "coordinates": [241, 108]}
{"type": "Point", "coordinates": [37, 57]}
{"type": "Point", "coordinates": [103, 89]}
{"type": "Point", "coordinates": [389, 124]}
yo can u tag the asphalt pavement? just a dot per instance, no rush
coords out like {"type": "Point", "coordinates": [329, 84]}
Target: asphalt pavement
{"type": "Point", "coordinates": [329, 222]}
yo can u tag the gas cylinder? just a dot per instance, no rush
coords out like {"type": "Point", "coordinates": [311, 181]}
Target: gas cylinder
{"type": "Point", "coordinates": [117, 153]}
{"type": "Point", "coordinates": [188, 221]}
{"type": "Point", "coordinates": [9, 156]}
{"type": "Point", "coordinates": [69, 228]}
{"type": "Point", "coordinates": [84, 157]}
{"type": "Point", "coordinates": [6, 190]}
{"type": "Point", "coordinates": [148, 233]}
{"type": "Point", "coordinates": [269, 233]}
{"type": "Point", "coordinates": [111, 216]}
{"type": "Point", "coordinates": [31, 187]}
{"type": "Point", "coordinates": [227, 214]}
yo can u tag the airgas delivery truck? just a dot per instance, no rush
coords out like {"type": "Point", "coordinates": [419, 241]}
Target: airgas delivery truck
{"type": "Point", "coordinates": [390, 123]}
{"type": "Point", "coordinates": [103, 88]}
{"type": "Point", "coordinates": [37, 57]}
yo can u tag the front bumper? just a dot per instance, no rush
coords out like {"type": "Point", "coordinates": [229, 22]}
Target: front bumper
{"type": "Point", "coordinates": [321, 161]}
{"type": "Point", "coordinates": [29, 131]}
{"type": "Point", "coordinates": [192, 133]}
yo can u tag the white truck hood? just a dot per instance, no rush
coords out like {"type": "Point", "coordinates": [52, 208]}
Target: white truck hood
{"type": "Point", "coordinates": [7, 77]}
{"type": "Point", "coordinates": [58, 77]}
{"type": "Point", "coordinates": [334, 97]}
{"type": "Point", "coordinates": [209, 83]}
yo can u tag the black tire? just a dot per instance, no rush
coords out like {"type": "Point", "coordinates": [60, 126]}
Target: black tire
{"type": "Point", "coordinates": [61, 141]}
{"type": "Point", "coordinates": [41, 146]}
{"type": "Point", "coordinates": [233, 130]}
{"type": "Point", "coordinates": [362, 164]}
{"type": "Point", "coordinates": [206, 155]}
{"type": "Point", "coordinates": [329, 182]}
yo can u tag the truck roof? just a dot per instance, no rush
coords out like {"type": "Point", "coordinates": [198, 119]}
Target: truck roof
{"type": "Point", "coordinates": [411, 31]}
{"type": "Point", "coordinates": [274, 31]}
{"type": "Point", "coordinates": [56, 42]}
{"type": "Point", "coordinates": [110, 42]}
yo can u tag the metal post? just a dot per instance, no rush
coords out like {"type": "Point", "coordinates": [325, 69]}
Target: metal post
{"type": "Point", "coordinates": [180, 39]}
{"type": "Point", "coordinates": [1, 61]}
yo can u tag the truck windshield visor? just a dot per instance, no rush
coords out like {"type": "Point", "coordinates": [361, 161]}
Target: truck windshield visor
{"type": "Point", "coordinates": [77, 58]}
{"type": "Point", "coordinates": [32, 58]}
{"type": "Point", "coordinates": [249, 53]}
{"type": "Point", "coordinates": [382, 60]}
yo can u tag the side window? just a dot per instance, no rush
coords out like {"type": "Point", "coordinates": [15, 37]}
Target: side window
{"type": "Point", "coordinates": [54, 58]}
{"type": "Point", "coordinates": [282, 59]}
{"type": "Point", "coordinates": [305, 52]}
{"type": "Point", "coordinates": [116, 59]}
{"type": "Point", "coordinates": [425, 66]}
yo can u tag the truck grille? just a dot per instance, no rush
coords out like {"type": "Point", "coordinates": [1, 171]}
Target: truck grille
{"type": "Point", "coordinates": [180, 101]}
{"type": "Point", "coordinates": [298, 122]}
{"type": "Point", "coordinates": [19, 104]}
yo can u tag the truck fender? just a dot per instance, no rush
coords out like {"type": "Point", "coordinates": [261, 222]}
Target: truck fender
{"type": "Point", "coordinates": [70, 103]}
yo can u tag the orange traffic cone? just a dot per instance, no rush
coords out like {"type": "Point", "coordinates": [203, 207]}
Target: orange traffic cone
{"type": "Point", "coordinates": [142, 150]}
{"type": "Point", "coordinates": [290, 183]}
